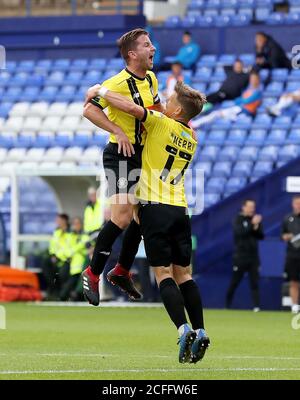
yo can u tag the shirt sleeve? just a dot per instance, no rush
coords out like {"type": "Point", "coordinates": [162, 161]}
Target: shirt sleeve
{"type": "Point", "coordinates": [151, 119]}
{"type": "Point", "coordinates": [100, 101]}
{"type": "Point", "coordinates": [284, 227]}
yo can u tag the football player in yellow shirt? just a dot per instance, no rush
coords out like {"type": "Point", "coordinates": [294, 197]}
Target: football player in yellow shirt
{"type": "Point", "coordinates": [121, 156]}
{"type": "Point", "coordinates": [164, 220]}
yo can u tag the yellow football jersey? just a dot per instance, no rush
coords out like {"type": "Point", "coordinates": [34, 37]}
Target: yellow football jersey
{"type": "Point", "coordinates": [168, 151]}
{"type": "Point", "coordinates": [143, 91]}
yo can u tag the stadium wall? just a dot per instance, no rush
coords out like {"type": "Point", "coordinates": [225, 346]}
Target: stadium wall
{"type": "Point", "coordinates": [215, 241]}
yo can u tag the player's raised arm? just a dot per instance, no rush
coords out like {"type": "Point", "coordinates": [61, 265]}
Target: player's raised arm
{"type": "Point", "coordinates": [122, 103]}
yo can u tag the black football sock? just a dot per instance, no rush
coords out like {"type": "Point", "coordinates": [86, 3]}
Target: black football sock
{"type": "Point", "coordinates": [104, 243]}
{"type": "Point", "coordinates": [173, 301]}
{"type": "Point", "coordinates": [131, 241]}
{"type": "Point", "coordinates": [192, 302]}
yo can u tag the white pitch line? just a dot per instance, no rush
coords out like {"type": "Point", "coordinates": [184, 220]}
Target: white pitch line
{"type": "Point", "coordinates": [229, 357]}
{"type": "Point", "coordinates": [160, 370]}
{"type": "Point", "coordinates": [109, 304]}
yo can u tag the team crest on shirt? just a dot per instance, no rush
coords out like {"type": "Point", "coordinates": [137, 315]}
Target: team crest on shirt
{"type": "Point", "coordinates": [122, 183]}
{"type": "Point", "coordinates": [185, 134]}
{"type": "Point", "coordinates": [156, 114]}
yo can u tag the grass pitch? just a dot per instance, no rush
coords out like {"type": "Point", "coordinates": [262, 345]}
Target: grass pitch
{"type": "Point", "coordinates": [140, 343]}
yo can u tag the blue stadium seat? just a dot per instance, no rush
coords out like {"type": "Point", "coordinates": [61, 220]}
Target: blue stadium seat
{"type": "Point", "coordinates": [227, 59]}
{"type": "Point", "coordinates": [280, 74]}
{"type": "Point", "coordinates": [262, 13]}
{"type": "Point", "coordinates": [236, 137]}
{"type": "Point", "coordinates": [262, 168]}
{"type": "Point", "coordinates": [20, 79]}
{"type": "Point", "coordinates": [207, 60]}
{"type": "Point", "coordinates": [62, 64]}
{"type": "Point", "coordinates": [294, 137]}
{"type": "Point", "coordinates": [204, 166]}
{"type": "Point", "coordinates": [247, 3]}
{"type": "Point", "coordinates": [210, 199]}
{"type": "Point", "coordinates": [43, 141]}
{"type": "Point", "coordinates": [91, 78]}
{"type": "Point", "coordinates": [98, 64]}
{"type": "Point", "coordinates": [5, 109]}
{"type": "Point", "coordinates": [115, 63]}
{"type": "Point", "coordinates": [275, 18]}
{"type": "Point", "coordinates": [203, 74]}
{"type": "Point", "coordinates": [210, 12]}
{"type": "Point", "coordinates": [55, 78]}
{"type": "Point", "coordinates": [209, 153]}
{"type": "Point", "coordinates": [214, 86]}
{"type": "Point", "coordinates": [294, 76]}
{"type": "Point", "coordinates": [241, 19]}
{"type": "Point", "coordinates": [262, 121]}
{"type": "Point", "coordinates": [216, 137]}
{"type": "Point", "coordinates": [256, 137]}
{"type": "Point", "coordinates": [243, 121]}
{"type": "Point", "coordinates": [44, 64]}
{"type": "Point", "coordinates": [30, 93]}
{"type": "Point", "coordinates": [189, 21]}
{"type": "Point", "coordinates": [247, 59]}
{"type": "Point", "coordinates": [276, 137]}
{"type": "Point", "coordinates": [66, 93]}
{"type": "Point", "coordinates": [81, 139]}
{"type": "Point", "coordinates": [62, 140]}
{"type": "Point", "coordinates": [228, 153]}
{"type": "Point", "coordinates": [7, 140]}
{"type": "Point", "coordinates": [215, 185]}
{"type": "Point", "coordinates": [48, 93]}
{"type": "Point", "coordinates": [222, 21]}
{"type": "Point", "coordinates": [12, 94]}
{"type": "Point", "coordinates": [274, 89]}
{"type": "Point", "coordinates": [288, 152]}
{"type": "Point", "coordinates": [196, 4]}
{"type": "Point", "coordinates": [227, 11]}
{"type": "Point", "coordinates": [268, 153]}
{"type": "Point", "coordinates": [205, 21]}
{"type": "Point", "coordinates": [242, 169]}
{"type": "Point", "coordinates": [247, 11]}
{"type": "Point", "coordinates": [173, 21]}
{"type": "Point", "coordinates": [282, 122]}
{"type": "Point", "coordinates": [98, 139]}
{"type": "Point", "coordinates": [73, 78]}
{"type": "Point", "coordinates": [4, 78]}
{"type": "Point", "coordinates": [24, 141]}
{"type": "Point", "coordinates": [80, 64]}
{"type": "Point", "coordinates": [292, 18]}
{"type": "Point", "coordinates": [248, 153]}
{"type": "Point", "coordinates": [296, 122]}
{"type": "Point", "coordinates": [234, 184]}
{"type": "Point", "coordinates": [11, 66]}
{"type": "Point", "coordinates": [26, 66]}
{"type": "Point", "coordinates": [221, 169]}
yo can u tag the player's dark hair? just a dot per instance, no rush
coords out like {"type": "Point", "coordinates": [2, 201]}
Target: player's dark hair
{"type": "Point", "coordinates": [127, 42]}
{"type": "Point", "coordinates": [247, 201]}
{"type": "Point", "coordinates": [190, 99]}
{"type": "Point", "coordinates": [187, 33]}
{"type": "Point", "coordinates": [65, 217]}
{"type": "Point", "coordinates": [296, 196]}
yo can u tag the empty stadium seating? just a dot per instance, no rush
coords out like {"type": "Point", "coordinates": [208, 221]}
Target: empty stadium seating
{"type": "Point", "coordinates": [221, 13]}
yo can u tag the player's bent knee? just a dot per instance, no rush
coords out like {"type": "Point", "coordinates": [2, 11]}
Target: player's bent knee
{"type": "Point", "coordinates": [161, 273]}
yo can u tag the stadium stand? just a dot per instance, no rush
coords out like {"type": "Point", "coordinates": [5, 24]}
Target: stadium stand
{"type": "Point", "coordinates": [42, 123]}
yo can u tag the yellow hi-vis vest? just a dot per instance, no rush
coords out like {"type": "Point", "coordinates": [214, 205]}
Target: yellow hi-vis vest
{"type": "Point", "coordinates": [92, 217]}
{"type": "Point", "coordinates": [78, 252]}
{"type": "Point", "coordinates": [59, 245]}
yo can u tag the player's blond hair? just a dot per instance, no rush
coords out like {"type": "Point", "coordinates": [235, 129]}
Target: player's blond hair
{"type": "Point", "coordinates": [127, 42]}
{"type": "Point", "coordinates": [190, 99]}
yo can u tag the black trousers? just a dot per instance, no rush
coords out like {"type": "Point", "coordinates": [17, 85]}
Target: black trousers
{"type": "Point", "coordinates": [237, 276]}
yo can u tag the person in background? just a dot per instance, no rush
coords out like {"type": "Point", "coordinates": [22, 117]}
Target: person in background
{"type": "Point", "coordinates": [177, 75]}
{"type": "Point", "coordinates": [248, 231]}
{"type": "Point", "coordinates": [285, 101]}
{"type": "Point", "coordinates": [248, 103]}
{"type": "Point", "coordinates": [78, 259]}
{"type": "Point", "coordinates": [236, 81]}
{"type": "Point", "coordinates": [289, 232]}
{"type": "Point", "coordinates": [187, 55]}
{"type": "Point", "coordinates": [269, 54]}
{"type": "Point", "coordinates": [57, 266]}
{"type": "Point", "coordinates": [92, 214]}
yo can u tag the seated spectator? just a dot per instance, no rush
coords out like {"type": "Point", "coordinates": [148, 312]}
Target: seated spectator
{"type": "Point", "coordinates": [188, 54]}
{"type": "Point", "coordinates": [285, 101]}
{"type": "Point", "coordinates": [236, 81]}
{"type": "Point", "coordinates": [269, 54]}
{"type": "Point", "coordinates": [247, 104]}
{"type": "Point", "coordinates": [177, 74]}
{"type": "Point", "coordinates": [57, 266]}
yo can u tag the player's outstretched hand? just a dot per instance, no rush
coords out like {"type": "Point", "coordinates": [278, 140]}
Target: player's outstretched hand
{"type": "Point", "coordinates": [91, 93]}
{"type": "Point", "coordinates": [124, 144]}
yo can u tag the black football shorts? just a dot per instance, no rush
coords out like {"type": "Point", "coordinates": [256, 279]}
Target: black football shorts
{"type": "Point", "coordinates": [166, 231]}
{"type": "Point", "coordinates": [122, 173]}
{"type": "Point", "coordinates": [292, 269]}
